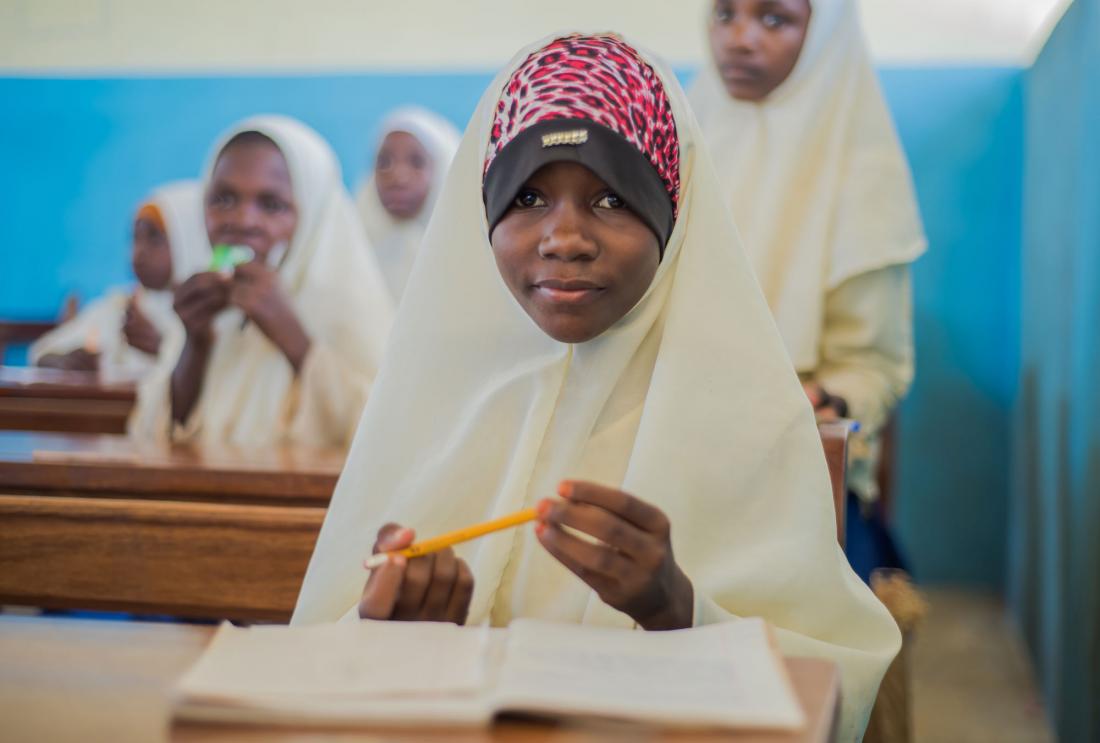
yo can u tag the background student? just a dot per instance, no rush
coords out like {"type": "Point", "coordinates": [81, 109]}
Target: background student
{"type": "Point", "coordinates": [806, 151]}
{"type": "Point", "coordinates": [395, 203]}
{"type": "Point", "coordinates": [122, 334]}
{"type": "Point", "coordinates": [283, 348]}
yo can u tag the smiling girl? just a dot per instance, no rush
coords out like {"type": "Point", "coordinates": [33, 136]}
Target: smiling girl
{"type": "Point", "coordinates": [578, 325]}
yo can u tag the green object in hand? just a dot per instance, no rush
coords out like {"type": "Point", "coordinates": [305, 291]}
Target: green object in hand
{"type": "Point", "coordinates": [225, 258]}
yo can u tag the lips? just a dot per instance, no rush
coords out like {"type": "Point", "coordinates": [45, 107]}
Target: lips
{"type": "Point", "coordinates": [740, 73]}
{"type": "Point", "coordinates": [568, 291]}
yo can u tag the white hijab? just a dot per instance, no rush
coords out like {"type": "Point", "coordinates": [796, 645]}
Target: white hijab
{"type": "Point", "coordinates": [395, 241]}
{"type": "Point", "coordinates": [819, 186]}
{"type": "Point", "coordinates": [688, 402]}
{"type": "Point", "coordinates": [100, 324]}
{"type": "Point", "coordinates": [250, 394]}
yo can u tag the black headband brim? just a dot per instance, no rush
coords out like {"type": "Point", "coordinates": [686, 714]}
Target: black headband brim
{"type": "Point", "coordinates": [605, 152]}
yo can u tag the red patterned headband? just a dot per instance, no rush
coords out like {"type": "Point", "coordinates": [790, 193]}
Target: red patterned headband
{"type": "Point", "coordinates": [598, 78]}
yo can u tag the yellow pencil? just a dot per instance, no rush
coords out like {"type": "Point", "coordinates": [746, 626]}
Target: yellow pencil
{"type": "Point", "coordinates": [452, 538]}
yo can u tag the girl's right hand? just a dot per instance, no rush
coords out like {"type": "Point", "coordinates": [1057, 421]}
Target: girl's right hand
{"type": "Point", "coordinates": [436, 587]}
{"type": "Point", "coordinates": [198, 300]}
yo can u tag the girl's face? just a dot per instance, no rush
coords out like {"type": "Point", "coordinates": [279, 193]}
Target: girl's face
{"type": "Point", "coordinates": [402, 174]}
{"type": "Point", "coordinates": [152, 255]}
{"type": "Point", "coordinates": [756, 43]}
{"type": "Point", "coordinates": [575, 258]}
{"type": "Point", "coordinates": [250, 200]}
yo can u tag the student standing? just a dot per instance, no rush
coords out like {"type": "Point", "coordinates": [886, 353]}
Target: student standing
{"type": "Point", "coordinates": [566, 332]}
{"type": "Point", "coordinates": [807, 154]}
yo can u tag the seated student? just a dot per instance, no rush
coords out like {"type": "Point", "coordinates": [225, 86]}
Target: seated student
{"type": "Point", "coordinates": [568, 330]}
{"type": "Point", "coordinates": [286, 346]}
{"type": "Point", "coordinates": [122, 334]}
{"type": "Point", "coordinates": [811, 166]}
{"type": "Point", "coordinates": [395, 203]}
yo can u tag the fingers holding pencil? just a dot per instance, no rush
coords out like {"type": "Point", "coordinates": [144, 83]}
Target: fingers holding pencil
{"type": "Point", "coordinates": [436, 587]}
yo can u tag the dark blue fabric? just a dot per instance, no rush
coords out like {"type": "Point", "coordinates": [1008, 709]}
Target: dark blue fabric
{"type": "Point", "coordinates": [868, 541]}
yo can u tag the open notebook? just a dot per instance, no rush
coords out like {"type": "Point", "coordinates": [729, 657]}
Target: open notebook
{"type": "Point", "coordinates": [423, 674]}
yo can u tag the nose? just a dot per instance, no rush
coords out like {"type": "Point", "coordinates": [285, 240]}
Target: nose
{"type": "Point", "coordinates": [565, 237]}
{"type": "Point", "coordinates": [741, 35]}
{"type": "Point", "coordinates": [245, 216]}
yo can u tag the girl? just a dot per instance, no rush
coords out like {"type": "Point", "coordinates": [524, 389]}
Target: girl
{"type": "Point", "coordinates": [122, 334]}
{"type": "Point", "coordinates": [285, 347]}
{"type": "Point", "coordinates": [807, 154]}
{"type": "Point", "coordinates": [414, 152]}
{"type": "Point", "coordinates": [577, 324]}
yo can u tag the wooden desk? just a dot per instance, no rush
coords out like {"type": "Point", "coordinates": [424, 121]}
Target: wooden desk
{"type": "Point", "coordinates": [102, 522]}
{"type": "Point", "coordinates": [34, 399]}
{"type": "Point", "coordinates": [69, 679]}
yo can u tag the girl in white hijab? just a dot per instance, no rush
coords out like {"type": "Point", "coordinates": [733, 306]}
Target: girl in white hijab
{"type": "Point", "coordinates": [123, 334]}
{"type": "Point", "coordinates": [410, 162]}
{"type": "Point", "coordinates": [806, 151]}
{"type": "Point", "coordinates": [617, 352]}
{"type": "Point", "coordinates": [286, 346]}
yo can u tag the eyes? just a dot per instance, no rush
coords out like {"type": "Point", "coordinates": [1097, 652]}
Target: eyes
{"type": "Point", "coordinates": [387, 161]}
{"type": "Point", "coordinates": [723, 14]}
{"type": "Point", "coordinates": [528, 198]}
{"type": "Point", "coordinates": [268, 203]}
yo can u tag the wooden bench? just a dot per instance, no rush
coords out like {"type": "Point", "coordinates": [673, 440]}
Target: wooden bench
{"type": "Point", "coordinates": [35, 399]}
{"type": "Point", "coordinates": [101, 522]}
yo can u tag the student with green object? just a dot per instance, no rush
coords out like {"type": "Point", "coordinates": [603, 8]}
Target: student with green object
{"type": "Point", "coordinates": [283, 347]}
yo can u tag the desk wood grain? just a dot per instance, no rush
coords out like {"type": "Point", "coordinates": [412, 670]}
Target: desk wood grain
{"type": "Point", "coordinates": [117, 466]}
{"type": "Point", "coordinates": [67, 679]}
{"type": "Point", "coordinates": [102, 522]}
{"type": "Point", "coordinates": [35, 399]}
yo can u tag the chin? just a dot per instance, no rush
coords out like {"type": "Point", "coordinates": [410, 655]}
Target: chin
{"type": "Point", "coordinates": [569, 332]}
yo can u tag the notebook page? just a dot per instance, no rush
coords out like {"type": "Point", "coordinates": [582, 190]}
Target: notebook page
{"type": "Point", "coordinates": [721, 675]}
{"type": "Point", "coordinates": [357, 659]}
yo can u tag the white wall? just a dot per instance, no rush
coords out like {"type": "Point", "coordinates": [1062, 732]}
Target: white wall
{"type": "Point", "coordinates": [93, 36]}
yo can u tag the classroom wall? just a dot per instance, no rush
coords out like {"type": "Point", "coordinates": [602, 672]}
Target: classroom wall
{"type": "Point", "coordinates": [1054, 551]}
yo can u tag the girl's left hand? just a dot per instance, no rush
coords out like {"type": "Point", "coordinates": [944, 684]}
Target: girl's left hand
{"type": "Point", "coordinates": [139, 330]}
{"type": "Point", "coordinates": [255, 290]}
{"type": "Point", "coordinates": [631, 567]}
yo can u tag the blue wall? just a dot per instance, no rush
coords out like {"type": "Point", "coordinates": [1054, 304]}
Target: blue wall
{"type": "Point", "coordinates": [85, 150]}
{"type": "Point", "coordinates": [963, 132]}
{"type": "Point", "coordinates": [1055, 529]}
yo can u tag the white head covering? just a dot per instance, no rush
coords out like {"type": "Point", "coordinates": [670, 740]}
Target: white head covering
{"type": "Point", "coordinates": [250, 394]}
{"type": "Point", "coordinates": [395, 241]}
{"type": "Point", "coordinates": [819, 186]}
{"type": "Point", "coordinates": [688, 402]}
{"type": "Point", "coordinates": [180, 206]}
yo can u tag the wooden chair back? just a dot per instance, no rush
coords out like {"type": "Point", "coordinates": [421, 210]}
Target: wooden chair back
{"type": "Point", "coordinates": [834, 439]}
